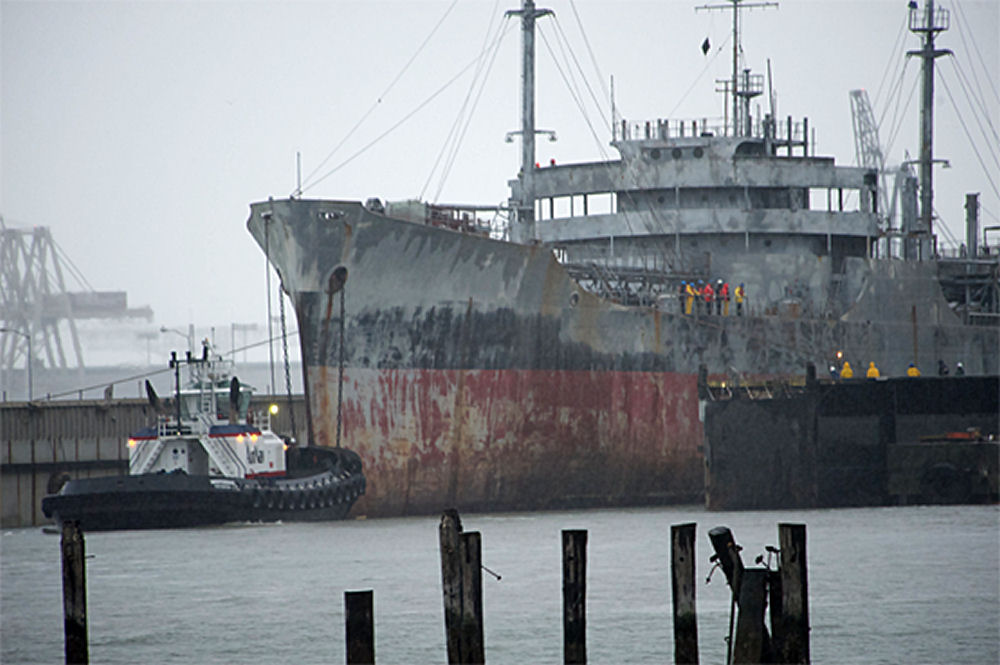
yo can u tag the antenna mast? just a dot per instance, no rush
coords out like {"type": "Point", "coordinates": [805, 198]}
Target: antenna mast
{"type": "Point", "coordinates": [928, 22]}
{"type": "Point", "coordinates": [733, 83]}
{"type": "Point", "coordinates": [526, 205]}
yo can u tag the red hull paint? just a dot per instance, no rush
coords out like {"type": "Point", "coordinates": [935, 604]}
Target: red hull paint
{"type": "Point", "coordinates": [514, 439]}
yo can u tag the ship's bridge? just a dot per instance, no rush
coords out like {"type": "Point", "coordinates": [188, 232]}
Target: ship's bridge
{"type": "Point", "coordinates": [685, 178]}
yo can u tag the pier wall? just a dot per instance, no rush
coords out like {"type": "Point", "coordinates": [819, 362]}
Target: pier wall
{"type": "Point", "coordinates": [855, 443]}
{"type": "Point", "coordinates": [44, 443]}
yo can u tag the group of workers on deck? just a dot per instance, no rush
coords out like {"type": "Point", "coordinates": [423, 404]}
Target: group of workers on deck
{"type": "Point", "coordinates": [847, 372]}
{"type": "Point", "coordinates": [703, 298]}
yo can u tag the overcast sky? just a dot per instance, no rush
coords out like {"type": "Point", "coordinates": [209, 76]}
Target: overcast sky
{"type": "Point", "coordinates": [141, 131]}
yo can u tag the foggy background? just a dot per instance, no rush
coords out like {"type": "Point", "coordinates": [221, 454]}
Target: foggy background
{"type": "Point", "coordinates": [140, 132]}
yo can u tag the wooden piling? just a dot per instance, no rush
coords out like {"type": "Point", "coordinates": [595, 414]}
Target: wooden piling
{"type": "Point", "coordinates": [728, 554]}
{"type": "Point", "coordinates": [470, 551]}
{"type": "Point", "coordinates": [794, 625]}
{"type": "Point", "coordinates": [74, 574]}
{"type": "Point", "coordinates": [574, 549]}
{"type": "Point", "coordinates": [359, 624]}
{"type": "Point", "coordinates": [461, 585]}
{"type": "Point", "coordinates": [682, 578]}
{"type": "Point", "coordinates": [451, 581]}
{"type": "Point", "coordinates": [751, 642]}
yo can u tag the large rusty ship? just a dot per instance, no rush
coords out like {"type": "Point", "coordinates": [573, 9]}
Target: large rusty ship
{"type": "Point", "coordinates": [554, 362]}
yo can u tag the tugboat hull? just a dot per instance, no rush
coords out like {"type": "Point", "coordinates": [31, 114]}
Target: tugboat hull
{"type": "Point", "coordinates": [177, 500]}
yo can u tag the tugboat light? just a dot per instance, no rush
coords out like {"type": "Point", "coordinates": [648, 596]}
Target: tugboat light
{"type": "Point", "coordinates": [273, 409]}
{"type": "Point", "coordinates": [253, 437]}
{"type": "Point", "coordinates": [239, 438]}
{"type": "Point", "coordinates": [131, 443]}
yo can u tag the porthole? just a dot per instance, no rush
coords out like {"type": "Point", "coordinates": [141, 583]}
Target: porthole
{"type": "Point", "coordinates": [699, 153]}
{"type": "Point", "coordinates": [661, 200]}
{"type": "Point", "coordinates": [676, 153]}
{"type": "Point", "coordinates": [574, 298]}
{"type": "Point", "coordinates": [654, 153]}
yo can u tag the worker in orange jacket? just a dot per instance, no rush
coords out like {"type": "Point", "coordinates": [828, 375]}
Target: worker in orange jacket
{"type": "Point", "coordinates": [708, 294]}
{"type": "Point", "coordinates": [724, 297]}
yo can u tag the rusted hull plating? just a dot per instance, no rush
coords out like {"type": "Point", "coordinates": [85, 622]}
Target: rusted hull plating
{"type": "Point", "coordinates": [516, 439]}
{"type": "Point", "coordinates": [479, 375]}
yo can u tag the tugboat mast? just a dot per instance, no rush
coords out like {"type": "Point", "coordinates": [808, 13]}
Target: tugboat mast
{"type": "Point", "coordinates": [526, 205]}
{"type": "Point", "coordinates": [928, 22]}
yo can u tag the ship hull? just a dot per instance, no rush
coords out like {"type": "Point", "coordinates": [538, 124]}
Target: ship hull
{"type": "Point", "coordinates": [491, 439]}
{"type": "Point", "coordinates": [478, 374]}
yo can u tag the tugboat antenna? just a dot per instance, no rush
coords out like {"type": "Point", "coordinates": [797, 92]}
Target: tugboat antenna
{"type": "Point", "coordinates": [736, 6]}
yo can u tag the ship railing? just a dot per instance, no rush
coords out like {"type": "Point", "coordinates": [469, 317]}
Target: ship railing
{"type": "Point", "coordinates": [922, 20]}
{"type": "Point", "coordinates": [471, 219]}
{"type": "Point", "coordinates": [225, 456]}
{"type": "Point", "coordinates": [663, 129]}
{"type": "Point", "coordinates": [168, 426]}
{"type": "Point", "coordinates": [983, 252]}
{"type": "Point", "coordinates": [260, 418]}
{"type": "Point", "coordinates": [722, 391]}
{"type": "Point", "coordinates": [784, 131]}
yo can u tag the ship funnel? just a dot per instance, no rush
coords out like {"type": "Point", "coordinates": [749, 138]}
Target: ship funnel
{"type": "Point", "coordinates": [154, 399]}
{"type": "Point", "coordinates": [234, 400]}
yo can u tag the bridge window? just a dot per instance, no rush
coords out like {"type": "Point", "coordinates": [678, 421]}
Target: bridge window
{"type": "Point", "coordinates": [834, 199]}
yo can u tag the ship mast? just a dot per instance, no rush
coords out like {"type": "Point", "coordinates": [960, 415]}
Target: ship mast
{"type": "Point", "coordinates": [733, 84]}
{"type": "Point", "coordinates": [525, 229]}
{"type": "Point", "coordinates": [928, 22]}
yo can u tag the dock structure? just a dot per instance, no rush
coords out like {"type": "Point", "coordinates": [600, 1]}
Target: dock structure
{"type": "Point", "coordinates": [856, 442]}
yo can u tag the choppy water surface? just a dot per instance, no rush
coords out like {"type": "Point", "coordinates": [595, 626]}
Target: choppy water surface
{"type": "Point", "coordinates": [887, 585]}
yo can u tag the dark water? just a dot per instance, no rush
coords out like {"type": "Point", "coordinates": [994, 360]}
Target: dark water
{"type": "Point", "coordinates": [887, 585]}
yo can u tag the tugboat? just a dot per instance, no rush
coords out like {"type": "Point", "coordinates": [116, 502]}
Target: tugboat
{"type": "Point", "coordinates": [212, 460]}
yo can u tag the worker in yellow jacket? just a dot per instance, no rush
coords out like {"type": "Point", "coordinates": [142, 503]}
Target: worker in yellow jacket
{"type": "Point", "coordinates": [846, 372]}
{"type": "Point", "coordinates": [912, 371]}
{"type": "Point", "coordinates": [689, 299]}
{"type": "Point", "coordinates": [872, 371]}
